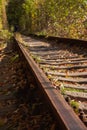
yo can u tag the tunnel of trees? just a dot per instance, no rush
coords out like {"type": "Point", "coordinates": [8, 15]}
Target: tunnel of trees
{"type": "Point", "coordinates": [64, 18]}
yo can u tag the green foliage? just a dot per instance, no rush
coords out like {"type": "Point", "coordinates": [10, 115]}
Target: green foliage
{"type": "Point", "coordinates": [62, 89]}
{"type": "Point", "coordinates": [37, 59]}
{"type": "Point", "coordinates": [63, 18]}
{"type": "Point", "coordinates": [5, 34]}
{"type": "Point", "coordinates": [14, 58]}
{"type": "Point", "coordinates": [74, 90]}
{"type": "Point", "coordinates": [74, 105]}
{"type": "Point", "coordinates": [15, 12]}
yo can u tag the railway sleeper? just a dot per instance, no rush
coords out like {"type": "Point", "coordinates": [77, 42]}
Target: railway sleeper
{"type": "Point", "coordinates": [66, 59]}
{"type": "Point", "coordinates": [79, 95]}
{"type": "Point", "coordinates": [55, 67]}
{"type": "Point", "coordinates": [79, 74]}
{"type": "Point", "coordinates": [73, 80]}
{"type": "Point", "coordinates": [62, 63]}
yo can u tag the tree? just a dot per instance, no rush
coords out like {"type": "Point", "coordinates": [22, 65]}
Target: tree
{"type": "Point", "coordinates": [63, 18]}
{"type": "Point", "coordinates": [15, 12]}
{"type": "Point", "coordinates": [3, 16]}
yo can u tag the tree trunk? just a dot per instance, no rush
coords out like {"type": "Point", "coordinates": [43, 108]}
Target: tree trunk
{"type": "Point", "coordinates": [4, 16]}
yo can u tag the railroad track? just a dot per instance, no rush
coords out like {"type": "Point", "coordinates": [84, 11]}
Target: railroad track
{"type": "Point", "coordinates": [61, 72]}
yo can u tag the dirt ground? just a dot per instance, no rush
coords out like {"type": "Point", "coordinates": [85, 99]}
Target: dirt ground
{"type": "Point", "coordinates": [12, 107]}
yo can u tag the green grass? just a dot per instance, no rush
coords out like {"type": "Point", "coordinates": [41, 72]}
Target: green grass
{"type": "Point", "coordinates": [5, 34]}
{"type": "Point", "coordinates": [36, 58]}
{"type": "Point", "coordinates": [14, 58]}
{"type": "Point", "coordinates": [75, 106]}
{"type": "Point", "coordinates": [74, 90]}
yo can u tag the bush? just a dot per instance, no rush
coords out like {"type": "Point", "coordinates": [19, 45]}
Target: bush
{"type": "Point", "coordinates": [5, 35]}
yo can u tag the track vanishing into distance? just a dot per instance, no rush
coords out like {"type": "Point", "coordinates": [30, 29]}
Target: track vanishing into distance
{"type": "Point", "coordinates": [60, 67]}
